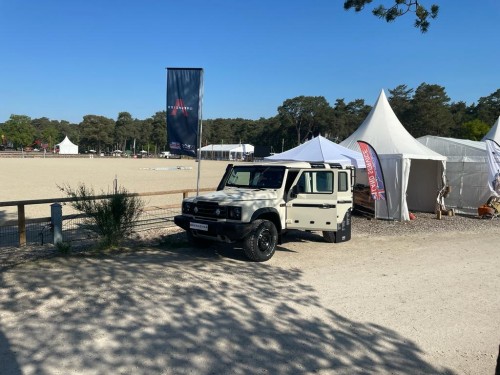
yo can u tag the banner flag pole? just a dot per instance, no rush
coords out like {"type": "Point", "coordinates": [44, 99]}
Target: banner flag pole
{"type": "Point", "coordinates": [200, 132]}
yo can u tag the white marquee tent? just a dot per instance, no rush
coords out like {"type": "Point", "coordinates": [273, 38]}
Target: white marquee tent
{"type": "Point", "coordinates": [494, 132]}
{"type": "Point", "coordinates": [66, 147]}
{"type": "Point", "coordinates": [320, 149]}
{"type": "Point", "coordinates": [227, 152]}
{"type": "Point", "coordinates": [466, 171]}
{"type": "Point", "coordinates": [413, 173]}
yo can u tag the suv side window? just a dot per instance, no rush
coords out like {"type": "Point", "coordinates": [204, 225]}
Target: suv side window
{"type": "Point", "coordinates": [343, 181]}
{"type": "Point", "coordinates": [316, 182]}
{"type": "Point", "coordinates": [324, 182]}
{"type": "Point", "coordinates": [304, 183]}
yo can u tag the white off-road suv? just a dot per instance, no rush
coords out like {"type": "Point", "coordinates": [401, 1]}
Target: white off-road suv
{"type": "Point", "coordinates": [257, 203]}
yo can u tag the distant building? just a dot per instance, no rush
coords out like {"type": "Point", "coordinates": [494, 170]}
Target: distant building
{"type": "Point", "coordinates": [228, 152]}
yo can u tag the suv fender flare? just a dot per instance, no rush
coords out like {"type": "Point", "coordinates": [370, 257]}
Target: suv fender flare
{"type": "Point", "coordinates": [268, 213]}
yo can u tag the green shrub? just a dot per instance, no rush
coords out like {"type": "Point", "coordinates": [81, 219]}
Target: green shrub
{"type": "Point", "coordinates": [63, 247]}
{"type": "Point", "coordinates": [112, 218]}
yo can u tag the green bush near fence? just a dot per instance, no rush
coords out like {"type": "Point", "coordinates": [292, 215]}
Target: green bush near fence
{"type": "Point", "coordinates": [63, 247]}
{"type": "Point", "coordinates": [113, 217]}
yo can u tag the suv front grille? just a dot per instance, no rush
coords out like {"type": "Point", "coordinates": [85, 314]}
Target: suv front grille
{"type": "Point", "coordinates": [210, 210]}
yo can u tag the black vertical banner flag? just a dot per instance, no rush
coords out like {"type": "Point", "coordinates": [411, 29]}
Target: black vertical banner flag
{"type": "Point", "coordinates": [184, 95]}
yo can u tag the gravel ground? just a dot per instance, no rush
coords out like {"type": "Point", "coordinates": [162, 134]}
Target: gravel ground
{"type": "Point", "coordinates": [425, 223]}
{"type": "Point", "coordinates": [419, 297]}
{"type": "Point", "coordinates": [416, 297]}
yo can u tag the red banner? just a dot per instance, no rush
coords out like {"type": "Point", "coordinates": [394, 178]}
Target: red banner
{"type": "Point", "coordinates": [374, 171]}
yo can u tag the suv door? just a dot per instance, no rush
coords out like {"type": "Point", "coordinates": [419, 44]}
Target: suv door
{"type": "Point", "coordinates": [312, 201]}
{"type": "Point", "coordinates": [344, 193]}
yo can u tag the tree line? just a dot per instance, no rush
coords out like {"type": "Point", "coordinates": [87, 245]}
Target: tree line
{"type": "Point", "coordinates": [426, 110]}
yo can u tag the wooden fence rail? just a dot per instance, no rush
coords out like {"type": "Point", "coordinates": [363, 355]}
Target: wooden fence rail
{"type": "Point", "coordinates": [21, 217]}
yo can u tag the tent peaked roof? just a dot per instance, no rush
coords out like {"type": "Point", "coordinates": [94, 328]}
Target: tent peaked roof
{"type": "Point", "coordinates": [494, 132]}
{"type": "Point", "coordinates": [320, 149]}
{"type": "Point", "coordinates": [66, 141]}
{"type": "Point", "coordinates": [385, 133]}
{"type": "Point", "coordinates": [67, 147]}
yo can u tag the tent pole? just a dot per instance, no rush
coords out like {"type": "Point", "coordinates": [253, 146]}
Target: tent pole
{"type": "Point", "coordinates": [403, 193]}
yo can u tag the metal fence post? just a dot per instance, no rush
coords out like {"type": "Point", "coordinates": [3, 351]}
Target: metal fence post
{"type": "Point", "coordinates": [21, 225]}
{"type": "Point", "coordinates": [56, 220]}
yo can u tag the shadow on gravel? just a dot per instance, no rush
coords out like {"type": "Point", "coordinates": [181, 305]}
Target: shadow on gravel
{"type": "Point", "coordinates": [175, 310]}
{"type": "Point", "coordinates": [8, 359]}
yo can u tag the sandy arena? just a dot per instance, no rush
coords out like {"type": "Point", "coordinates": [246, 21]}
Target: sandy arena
{"type": "Point", "coordinates": [396, 300]}
{"type": "Point", "coordinates": [37, 178]}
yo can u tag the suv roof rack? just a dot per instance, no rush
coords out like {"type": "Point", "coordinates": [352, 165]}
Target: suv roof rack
{"type": "Point", "coordinates": [335, 165]}
{"type": "Point", "coordinates": [326, 165]}
{"type": "Point", "coordinates": [317, 165]}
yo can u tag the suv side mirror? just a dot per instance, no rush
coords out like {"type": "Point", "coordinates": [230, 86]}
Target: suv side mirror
{"type": "Point", "coordinates": [295, 191]}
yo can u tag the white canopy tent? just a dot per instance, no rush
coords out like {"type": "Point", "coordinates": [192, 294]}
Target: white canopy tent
{"type": "Point", "coordinates": [320, 149]}
{"type": "Point", "coordinates": [494, 132]}
{"type": "Point", "coordinates": [466, 171]}
{"type": "Point", "coordinates": [413, 173]}
{"type": "Point", "coordinates": [66, 147]}
{"type": "Point", "coordinates": [227, 152]}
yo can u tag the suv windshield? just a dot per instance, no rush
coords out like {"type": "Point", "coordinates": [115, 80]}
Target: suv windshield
{"type": "Point", "coordinates": [256, 177]}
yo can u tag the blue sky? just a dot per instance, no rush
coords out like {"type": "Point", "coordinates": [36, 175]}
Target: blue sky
{"type": "Point", "coordinates": [69, 58]}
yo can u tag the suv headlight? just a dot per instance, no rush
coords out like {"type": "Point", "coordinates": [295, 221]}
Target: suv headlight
{"type": "Point", "coordinates": [234, 213]}
{"type": "Point", "coordinates": [187, 207]}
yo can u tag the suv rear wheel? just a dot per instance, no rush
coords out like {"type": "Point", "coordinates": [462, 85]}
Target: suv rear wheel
{"type": "Point", "coordinates": [260, 244]}
{"type": "Point", "coordinates": [329, 236]}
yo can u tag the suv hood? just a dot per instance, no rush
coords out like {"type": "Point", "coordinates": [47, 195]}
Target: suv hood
{"type": "Point", "coordinates": [230, 196]}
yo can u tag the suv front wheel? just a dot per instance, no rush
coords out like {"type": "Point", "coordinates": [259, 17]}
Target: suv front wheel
{"type": "Point", "coordinates": [260, 244]}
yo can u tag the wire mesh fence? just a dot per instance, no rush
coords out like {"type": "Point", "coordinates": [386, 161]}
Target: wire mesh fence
{"type": "Point", "coordinates": [37, 232]}
{"type": "Point", "coordinates": [77, 228]}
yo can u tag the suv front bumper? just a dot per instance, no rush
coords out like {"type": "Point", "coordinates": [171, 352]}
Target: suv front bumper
{"type": "Point", "coordinates": [216, 230]}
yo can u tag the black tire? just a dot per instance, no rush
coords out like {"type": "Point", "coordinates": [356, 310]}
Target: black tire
{"type": "Point", "coordinates": [196, 241]}
{"type": "Point", "coordinates": [329, 236]}
{"type": "Point", "coordinates": [260, 244]}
